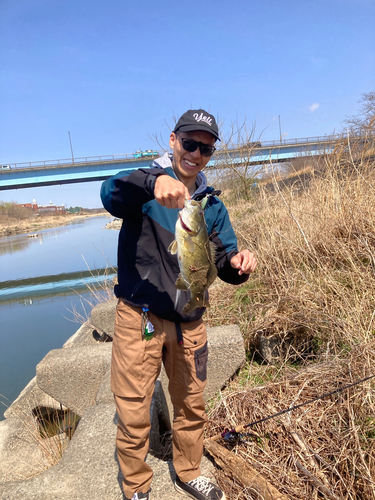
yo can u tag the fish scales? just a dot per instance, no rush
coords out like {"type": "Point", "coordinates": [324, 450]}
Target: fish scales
{"type": "Point", "coordinates": [195, 253]}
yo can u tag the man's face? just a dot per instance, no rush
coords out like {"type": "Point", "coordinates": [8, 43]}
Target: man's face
{"type": "Point", "coordinates": [187, 165]}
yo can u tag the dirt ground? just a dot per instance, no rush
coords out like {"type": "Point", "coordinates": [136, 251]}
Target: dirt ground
{"type": "Point", "coordinates": [13, 226]}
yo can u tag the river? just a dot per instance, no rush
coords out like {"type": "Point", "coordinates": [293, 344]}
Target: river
{"type": "Point", "coordinates": [44, 286]}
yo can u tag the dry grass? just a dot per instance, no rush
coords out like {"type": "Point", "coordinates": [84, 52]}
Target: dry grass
{"type": "Point", "coordinates": [101, 290]}
{"type": "Point", "coordinates": [334, 435]}
{"type": "Point", "coordinates": [46, 428]}
{"type": "Point", "coordinates": [315, 244]}
{"type": "Point", "coordinates": [44, 434]}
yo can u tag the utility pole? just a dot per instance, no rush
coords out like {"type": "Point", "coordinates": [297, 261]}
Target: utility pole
{"type": "Point", "coordinates": [281, 137]}
{"type": "Point", "coordinates": [72, 148]}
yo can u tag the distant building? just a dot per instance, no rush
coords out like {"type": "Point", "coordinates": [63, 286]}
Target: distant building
{"type": "Point", "coordinates": [44, 208]}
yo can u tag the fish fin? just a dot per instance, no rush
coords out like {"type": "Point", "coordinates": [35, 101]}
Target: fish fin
{"type": "Point", "coordinates": [189, 244]}
{"type": "Point", "coordinates": [194, 302]}
{"type": "Point", "coordinates": [212, 247]}
{"type": "Point", "coordinates": [212, 270]}
{"type": "Point", "coordinates": [173, 247]}
{"type": "Point", "coordinates": [181, 284]}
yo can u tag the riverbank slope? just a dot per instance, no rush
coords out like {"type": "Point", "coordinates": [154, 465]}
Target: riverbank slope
{"type": "Point", "coordinates": [10, 226]}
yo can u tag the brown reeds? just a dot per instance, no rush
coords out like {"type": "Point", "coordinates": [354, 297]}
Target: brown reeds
{"type": "Point", "coordinates": [314, 291]}
{"type": "Point", "coordinates": [44, 432]}
{"type": "Point", "coordinates": [100, 290]}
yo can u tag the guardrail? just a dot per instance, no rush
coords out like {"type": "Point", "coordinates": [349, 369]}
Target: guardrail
{"type": "Point", "coordinates": [303, 140]}
{"type": "Point", "coordinates": [80, 160]}
{"type": "Point", "coordinates": [132, 156]}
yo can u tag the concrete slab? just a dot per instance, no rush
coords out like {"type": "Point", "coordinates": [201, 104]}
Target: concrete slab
{"type": "Point", "coordinates": [226, 353]}
{"type": "Point", "coordinates": [104, 394]}
{"type": "Point", "coordinates": [31, 397]}
{"type": "Point", "coordinates": [89, 469]}
{"type": "Point", "coordinates": [83, 336]}
{"type": "Point", "coordinates": [21, 458]}
{"type": "Point", "coordinates": [103, 316]}
{"type": "Point", "coordinates": [73, 376]}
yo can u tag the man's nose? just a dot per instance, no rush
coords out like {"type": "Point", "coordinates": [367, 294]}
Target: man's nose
{"type": "Point", "coordinates": [196, 153]}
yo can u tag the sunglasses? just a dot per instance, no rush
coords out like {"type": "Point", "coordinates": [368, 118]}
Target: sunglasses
{"type": "Point", "coordinates": [190, 146]}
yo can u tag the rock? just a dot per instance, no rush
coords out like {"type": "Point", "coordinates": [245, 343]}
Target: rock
{"type": "Point", "coordinates": [269, 347]}
{"type": "Point", "coordinates": [114, 224]}
{"type": "Point", "coordinates": [284, 345]}
{"type": "Point", "coordinates": [103, 317]}
{"type": "Point", "coordinates": [73, 376]}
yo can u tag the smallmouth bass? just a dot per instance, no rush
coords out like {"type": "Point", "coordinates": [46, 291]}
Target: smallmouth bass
{"type": "Point", "coordinates": [195, 253]}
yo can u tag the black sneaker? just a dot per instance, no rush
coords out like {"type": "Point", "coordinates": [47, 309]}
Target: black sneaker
{"type": "Point", "coordinates": [141, 496]}
{"type": "Point", "coordinates": [200, 488]}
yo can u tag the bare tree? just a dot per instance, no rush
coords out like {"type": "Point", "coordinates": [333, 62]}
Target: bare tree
{"type": "Point", "coordinates": [364, 122]}
{"type": "Point", "coordinates": [234, 159]}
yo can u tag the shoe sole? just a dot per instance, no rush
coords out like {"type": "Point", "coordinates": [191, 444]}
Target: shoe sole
{"type": "Point", "coordinates": [183, 492]}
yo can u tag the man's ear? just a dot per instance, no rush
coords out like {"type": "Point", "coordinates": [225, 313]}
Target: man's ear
{"type": "Point", "coordinates": [172, 140]}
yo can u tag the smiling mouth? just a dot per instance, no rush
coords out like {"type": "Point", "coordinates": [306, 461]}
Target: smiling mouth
{"type": "Point", "coordinates": [190, 164]}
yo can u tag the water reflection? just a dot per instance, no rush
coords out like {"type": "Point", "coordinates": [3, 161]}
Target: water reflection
{"type": "Point", "coordinates": [54, 233]}
{"type": "Point", "coordinates": [12, 244]}
{"type": "Point", "coordinates": [70, 248]}
{"type": "Point", "coordinates": [20, 242]}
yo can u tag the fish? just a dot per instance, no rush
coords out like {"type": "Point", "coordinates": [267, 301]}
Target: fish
{"type": "Point", "coordinates": [195, 254]}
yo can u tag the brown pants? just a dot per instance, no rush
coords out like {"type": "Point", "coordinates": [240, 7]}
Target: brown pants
{"type": "Point", "coordinates": [136, 364]}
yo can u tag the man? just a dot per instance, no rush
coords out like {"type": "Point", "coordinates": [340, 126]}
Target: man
{"type": "Point", "coordinates": [149, 305]}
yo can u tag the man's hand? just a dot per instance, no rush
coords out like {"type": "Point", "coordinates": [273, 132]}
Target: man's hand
{"type": "Point", "coordinates": [170, 193]}
{"type": "Point", "coordinates": [245, 261]}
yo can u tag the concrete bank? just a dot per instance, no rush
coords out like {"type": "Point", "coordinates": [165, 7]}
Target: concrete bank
{"type": "Point", "coordinates": [77, 377]}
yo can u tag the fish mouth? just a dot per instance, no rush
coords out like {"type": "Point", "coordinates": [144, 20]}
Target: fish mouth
{"type": "Point", "coordinates": [185, 227]}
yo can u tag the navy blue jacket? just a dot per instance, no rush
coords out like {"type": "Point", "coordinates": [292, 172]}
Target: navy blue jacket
{"type": "Point", "coordinates": [147, 272]}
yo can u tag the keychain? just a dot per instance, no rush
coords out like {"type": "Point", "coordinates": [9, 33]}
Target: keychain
{"type": "Point", "coordinates": [147, 326]}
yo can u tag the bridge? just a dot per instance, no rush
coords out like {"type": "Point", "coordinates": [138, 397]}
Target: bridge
{"type": "Point", "coordinates": [99, 168]}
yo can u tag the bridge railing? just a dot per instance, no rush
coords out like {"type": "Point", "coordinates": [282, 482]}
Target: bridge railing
{"type": "Point", "coordinates": [132, 156]}
{"type": "Point", "coordinates": [310, 140]}
{"type": "Point", "coordinates": [302, 140]}
{"type": "Point", "coordinates": [78, 161]}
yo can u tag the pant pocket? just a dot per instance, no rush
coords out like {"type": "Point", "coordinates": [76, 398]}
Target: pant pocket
{"type": "Point", "coordinates": [128, 347]}
{"type": "Point", "coordinates": [200, 360]}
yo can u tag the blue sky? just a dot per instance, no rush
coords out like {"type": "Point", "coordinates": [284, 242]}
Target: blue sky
{"type": "Point", "coordinates": [114, 73]}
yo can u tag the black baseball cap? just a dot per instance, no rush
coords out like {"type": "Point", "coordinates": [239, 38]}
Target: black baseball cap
{"type": "Point", "coordinates": [197, 119]}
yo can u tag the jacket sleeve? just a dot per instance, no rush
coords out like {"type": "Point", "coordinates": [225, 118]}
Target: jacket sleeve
{"type": "Point", "coordinates": [225, 241]}
{"type": "Point", "coordinates": [127, 191]}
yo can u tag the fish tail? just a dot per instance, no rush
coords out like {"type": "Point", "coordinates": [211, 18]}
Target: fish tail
{"type": "Point", "coordinates": [194, 302]}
